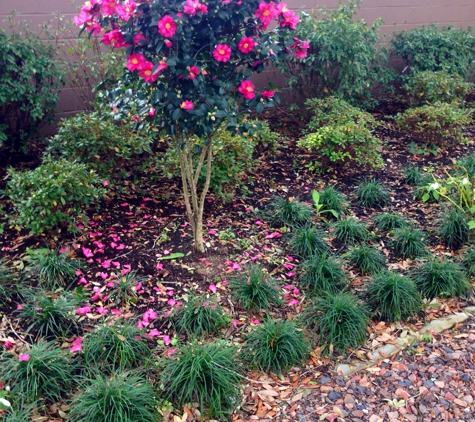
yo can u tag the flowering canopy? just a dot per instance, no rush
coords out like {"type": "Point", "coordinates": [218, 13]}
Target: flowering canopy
{"type": "Point", "coordinates": [197, 55]}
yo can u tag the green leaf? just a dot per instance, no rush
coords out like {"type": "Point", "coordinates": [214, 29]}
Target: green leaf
{"type": "Point", "coordinates": [316, 198]}
{"type": "Point", "coordinates": [176, 114]}
{"type": "Point", "coordinates": [172, 256]}
{"type": "Point", "coordinates": [425, 197]}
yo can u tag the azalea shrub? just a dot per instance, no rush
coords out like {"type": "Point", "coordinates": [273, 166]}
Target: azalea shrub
{"type": "Point", "coordinates": [195, 60]}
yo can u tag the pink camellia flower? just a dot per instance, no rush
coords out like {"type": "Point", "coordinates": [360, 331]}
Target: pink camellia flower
{"type": "Point", "coordinates": [186, 105]}
{"type": "Point", "coordinates": [222, 53]}
{"type": "Point", "coordinates": [194, 72]}
{"type": "Point", "coordinates": [24, 357]}
{"type": "Point", "coordinates": [167, 340]}
{"type": "Point", "coordinates": [151, 112]}
{"type": "Point", "coordinates": [290, 19]}
{"type": "Point", "coordinates": [268, 94]}
{"type": "Point", "coordinates": [255, 321]}
{"type": "Point", "coordinates": [247, 89]}
{"type": "Point", "coordinates": [266, 13]}
{"type": "Point", "coordinates": [300, 48]}
{"type": "Point", "coordinates": [226, 2]}
{"type": "Point", "coordinates": [168, 43]}
{"type": "Point", "coordinates": [213, 288]}
{"type": "Point", "coordinates": [146, 72]}
{"type": "Point", "coordinates": [108, 7]}
{"type": "Point", "coordinates": [140, 39]}
{"type": "Point", "coordinates": [114, 38]}
{"type": "Point", "coordinates": [149, 315]}
{"type": "Point", "coordinates": [135, 61]}
{"type": "Point", "coordinates": [84, 310]}
{"type": "Point", "coordinates": [77, 345]}
{"type": "Point", "coordinates": [126, 9]}
{"type": "Point", "coordinates": [8, 344]}
{"type": "Point", "coordinates": [293, 302]}
{"type": "Point", "coordinates": [101, 310]}
{"type": "Point", "coordinates": [235, 322]}
{"type": "Point", "coordinates": [193, 6]}
{"type": "Point", "coordinates": [246, 45]}
{"type": "Point", "coordinates": [167, 26]}
{"type": "Point", "coordinates": [153, 333]}
{"type": "Point", "coordinates": [281, 8]}
{"type": "Point", "coordinates": [87, 252]}
{"type": "Point", "coordinates": [105, 183]}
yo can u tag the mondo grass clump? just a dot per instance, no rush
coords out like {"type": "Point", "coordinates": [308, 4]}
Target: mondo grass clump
{"type": "Point", "coordinates": [454, 230]}
{"type": "Point", "coordinates": [42, 372]}
{"type": "Point", "coordinates": [393, 297]}
{"type": "Point", "coordinates": [350, 231]}
{"type": "Point", "coordinates": [275, 346]}
{"type": "Point", "coordinates": [333, 199]}
{"type": "Point", "coordinates": [307, 241]}
{"type": "Point", "coordinates": [372, 194]}
{"type": "Point", "coordinates": [339, 322]}
{"type": "Point", "coordinates": [389, 221]}
{"type": "Point", "coordinates": [367, 259]}
{"type": "Point", "coordinates": [199, 316]}
{"type": "Point", "coordinates": [414, 176]}
{"type": "Point", "coordinates": [255, 289]}
{"type": "Point", "coordinates": [117, 346]}
{"type": "Point", "coordinates": [288, 212]}
{"type": "Point", "coordinates": [207, 374]}
{"type": "Point", "coordinates": [124, 290]}
{"type": "Point", "coordinates": [8, 282]}
{"type": "Point", "coordinates": [120, 397]}
{"type": "Point", "coordinates": [322, 274]}
{"type": "Point", "coordinates": [468, 262]}
{"type": "Point", "coordinates": [409, 242]}
{"type": "Point", "coordinates": [441, 278]}
{"type": "Point", "coordinates": [49, 314]}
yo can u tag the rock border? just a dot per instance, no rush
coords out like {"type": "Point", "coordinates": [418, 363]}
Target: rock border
{"type": "Point", "coordinates": [346, 370]}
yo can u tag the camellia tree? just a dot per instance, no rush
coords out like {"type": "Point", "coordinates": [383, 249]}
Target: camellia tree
{"type": "Point", "coordinates": [196, 60]}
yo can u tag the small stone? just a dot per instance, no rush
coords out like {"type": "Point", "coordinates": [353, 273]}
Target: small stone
{"type": "Point", "coordinates": [357, 413]}
{"type": "Point", "coordinates": [460, 403]}
{"type": "Point", "coordinates": [324, 380]}
{"type": "Point", "coordinates": [439, 384]}
{"type": "Point", "coordinates": [326, 389]}
{"type": "Point", "coordinates": [428, 384]}
{"type": "Point", "coordinates": [349, 399]}
{"type": "Point", "coordinates": [334, 395]}
{"type": "Point", "coordinates": [449, 396]}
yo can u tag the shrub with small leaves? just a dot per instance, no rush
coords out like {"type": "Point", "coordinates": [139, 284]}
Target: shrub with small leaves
{"type": "Point", "coordinates": [454, 229]}
{"type": "Point", "coordinates": [198, 316]}
{"type": "Point", "coordinates": [115, 346]}
{"type": "Point", "coordinates": [287, 211]}
{"type": "Point", "coordinates": [43, 371]}
{"type": "Point", "coordinates": [372, 194]}
{"type": "Point", "coordinates": [322, 274]}
{"type": "Point", "coordinates": [333, 199]}
{"type": "Point", "coordinates": [306, 241]}
{"type": "Point", "coordinates": [389, 221]}
{"type": "Point", "coordinates": [441, 278]}
{"type": "Point", "coordinates": [409, 242]}
{"type": "Point", "coordinates": [275, 346]}
{"type": "Point", "coordinates": [338, 320]}
{"type": "Point", "coordinates": [121, 397]}
{"type": "Point", "coordinates": [255, 289]}
{"type": "Point", "coordinates": [393, 297]}
{"type": "Point", "coordinates": [350, 231]}
{"type": "Point", "coordinates": [207, 374]}
{"type": "Point", "coordinates": [367, 259]}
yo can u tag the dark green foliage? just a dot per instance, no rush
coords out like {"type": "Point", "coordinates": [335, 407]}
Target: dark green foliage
{"type": "Point", "coordinates": [389, 221]}
{"type": "Point", "coordinates": [454, 229]}
{"type": "Point", "coordinates": [333, 199]}
{"type": "Point", "coordinates": [8, 282]}
{"type": "Point", "coordinates": [441, 278]}
{"type": "Point", "coordinates": [121, 397]}
{"type": "Point", "coordinates": [367, 259]}
{"type": "Point", "coordinates": [306, 241]}
{"type": "Point", "coordinates": [275, 346]}
{"type": "Point", "coordinates": [338, 320]}
{"type": "Point", "coordinates": [124, 290]}
{"type": "Point", "coordinates": [372, 194]}
{"type": "Point", "coordinates": [255, 289]}
{"type": "Point", "coordinates": [207, 374]}
{"type": "Point", "coordinates": [282, 211]}
{"type": "Point", "coordinates": [198, 316]}
{"type": "Point", "coordinates": [393, 297]}
{"type": "Point", "coordinates": [48, 373]}
{"type": "Point", "coordinates": [469, 262]}
{"type": "Point", "coordinates": [322, 274]}
{"type": "Point", "coordinates": [468, 164]}
{"type": "Point", "coordinates": [115, 346]}
{"type": "Point", "coordinates": [414, 176]}
{"type": "Point", "coordinates": [350, 231]}
{"type": "Point", "coordinates": [20, 413]}
{"type": "Point", "coordinates": [409, 242]}
{"type": "Point", "coordinates": [49, 314]}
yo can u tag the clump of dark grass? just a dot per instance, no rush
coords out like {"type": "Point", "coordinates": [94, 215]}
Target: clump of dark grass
{"type": "Point", "coordinates": [308, 240]}
{"type": "Point", "coordinates": [49, 314]}
{"type": "Point", "coordinates": [454, 229]}
{"type": "Point", "coordinates": [115, 346]}
{"type": "Point", "coordinates": [372, 194]}
{"type": "Point", "coordinates": [389, 221]}
{"type": "Point", "coordinates": [322, 274]}
{"type": "Point", "coordinates": [467, 164]}
{"type": "Point", "coordinates": [414, 176]}
{"type": "Point", "coordinates": [207, 374]}
{"type": "Point", "coordinates": [255, 289]}
{"type": "Point", "coordinates": [441, 278]}
{"type": "Point", "coordinates": [393, 297]}
{"type": "Point", "coordinates": [368, 260]}
{"type": "Point", "coordinates": [333, 199]}
{"type": "Point", "coordinates": [350, 231]}
{"type": "Point", "coordinates": [275, 346]}
{"type": "Point", "coordinates": [409, 242]}
{"type": "Point", "coordinates": [338, 320]}
{"type": "Point", "coordinates": [124, 290]}
{"type": "Point", "coordinates": [120, 397]}
{"type": "Point", "coordinates": [43, 371]}
{"type": "Point", "coordinates": [469, 262]}
{"type": "Point", "coordinates": [288, 212]}
{"type": "Point", "coordinates": [8, 282]}
{"type": "Point", "coordinates": [198, 316]}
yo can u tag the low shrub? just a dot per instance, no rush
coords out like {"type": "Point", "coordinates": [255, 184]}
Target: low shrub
{"type": "Point", "coordinates": [120, 397]}
{"type": "Point", "coordinates": [440, 123]}
{"type": "Point", "coordinates": [275, 346]}
{"type": "Point", "coordinates": [393, 297]}
{"type": "Point", "coordinates": [207, 374]}
{"type": "Point", "coordinates": [333, 199]}
{"type": "Point", "coordinates": [409, 242]}
{"type": "Point", "coordinates": [441, 278]}
{"type": "Point", "coordinates": [389, 221]}
{"type": "Point", "coordinates": [52, 195]}
{"type": "Point", "coordinates": [350, 231]}
{"type": "Point", "coordinates": [255, 289]}
{"type": "Point", "coordinates": [372, 194]}
{"type": "Point", "coordinates": [338, 320]}
{"type": "Point", "coordinates": [322, 274]}
{"type": "Point", "coordinates": [453, 229]}
{"type": "Point", "coordinates": [307, 241]}
{"type": "Point", "coordinates": [367, 259]}
{"type": "Point", "coordinates": [288, 212]}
